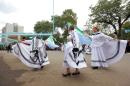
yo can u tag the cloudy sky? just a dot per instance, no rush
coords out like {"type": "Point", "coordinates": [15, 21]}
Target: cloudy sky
{"type": "Point", "coordinates": [28, 12]}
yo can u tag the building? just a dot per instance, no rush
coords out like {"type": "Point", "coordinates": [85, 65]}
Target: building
{"type": "Point", "coordinates": [11, 28]}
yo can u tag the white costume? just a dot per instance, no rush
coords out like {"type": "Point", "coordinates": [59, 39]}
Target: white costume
{"type": "Point", "coordinates": [75, 39]}
{"type": "Point", "coordinates": [106, 50]}
{"type": "Point", "coordinates": [71, 58]}
{"type": "Point", "coordinates": [33, 55]}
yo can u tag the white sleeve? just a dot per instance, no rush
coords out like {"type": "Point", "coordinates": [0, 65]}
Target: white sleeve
{"type": "Point", "coordinates": [107, 37]}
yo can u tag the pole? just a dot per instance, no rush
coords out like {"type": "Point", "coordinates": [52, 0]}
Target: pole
{"type": "Point", "coordinates": [53, 18]}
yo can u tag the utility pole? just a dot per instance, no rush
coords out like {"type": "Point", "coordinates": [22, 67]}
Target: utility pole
{"type": "Point", "coordinates": [53, 18]}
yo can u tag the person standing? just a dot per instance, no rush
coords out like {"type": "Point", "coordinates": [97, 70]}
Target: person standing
{"type": "Point", "coordinates": [73, 57]}
{"type": "Point", "coordinates": [106, 50]}
{"type": "Point", "coordinates": [9, 48]}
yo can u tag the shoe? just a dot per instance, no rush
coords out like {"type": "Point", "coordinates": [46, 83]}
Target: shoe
{"type": "Point", "coordinates": [42, 67]}
{"type": "Point", "coordinates": [67, 74]}
{"type": "Point", "coordinates": [76, 73]}
{"type": "Point", "coordinates": [95, 68]}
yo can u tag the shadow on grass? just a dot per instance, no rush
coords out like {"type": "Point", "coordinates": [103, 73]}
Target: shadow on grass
{"type": "Point", "coordinates": [8, 77]}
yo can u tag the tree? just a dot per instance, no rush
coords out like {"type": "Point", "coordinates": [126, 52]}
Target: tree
{"type": "Point", "coordinates": [59, 39]}
{"type": "Point", "coordinates": [126, 25]}
{"type": "Point", "coordinates": [58, 21]}
{"type": "Point", "coordinates": [69, 16]}
{"type": "Point", "coordinates": [111, 12]}
{"type": "Point", "coordinates": [43, 26]}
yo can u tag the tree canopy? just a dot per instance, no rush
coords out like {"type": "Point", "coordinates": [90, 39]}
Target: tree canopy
{"type": "Point", "coordinates": [67, 16]}
{"type": "Point", "coordinates": [43, 26]}
{"type": "Point", "coordinates": [111, 12]}
{"type": "Point", "coordinates": [59, 21]}
{"type": "Point", "coordinates": [126, 25]}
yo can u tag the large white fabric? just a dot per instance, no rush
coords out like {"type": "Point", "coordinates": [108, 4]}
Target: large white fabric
{"type": "Point", "coordinates": [27, 53]}
{"type": "Point", "coordinates": [75, 39]}
{"type": "Point", "coordinates": [106, 50]}
{"type": "Point", "coordinates": [70, 60]}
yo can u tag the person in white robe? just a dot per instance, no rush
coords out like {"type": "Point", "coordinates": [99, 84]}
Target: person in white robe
{"type": "Point", "coordinates": [73, 56]}
{"type": "Point", "coordinates": [32, 53]}
{"type": "Point", "coordinates": [106, 50]}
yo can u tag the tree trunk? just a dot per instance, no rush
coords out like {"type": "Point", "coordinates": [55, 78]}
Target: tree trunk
{"type": "Point", "coordinates": [119, 33]}
{"type": "Point", "coordinates": [120, 30]}
{"type": "Point", "coordinates": [115, 29]}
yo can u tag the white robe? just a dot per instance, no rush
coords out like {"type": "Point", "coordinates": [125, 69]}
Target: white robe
{"type": "Point", "coordinates": [70, 61]}
{"type": "Point", "coordinates": [75, 39]}
{"type": "Point", "coordinates": [27, 53]}
{"type": "Point", "coordinates": [106, 50]}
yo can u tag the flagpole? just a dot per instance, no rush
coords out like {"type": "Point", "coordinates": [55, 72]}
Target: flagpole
{"type": "Point", "coordinates": [53, 18]}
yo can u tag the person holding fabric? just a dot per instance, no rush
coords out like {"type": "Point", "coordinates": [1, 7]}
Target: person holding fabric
{"type": "Point", "coordinates": [32, 53]}
{"type": "Point", "coordinates": [73, 57]}
{"type": "Point", "coordinates": [106, 50]}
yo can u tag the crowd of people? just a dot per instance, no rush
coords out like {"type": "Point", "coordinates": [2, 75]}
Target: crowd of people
{"type": "Point", "coordinates": [105, 51]}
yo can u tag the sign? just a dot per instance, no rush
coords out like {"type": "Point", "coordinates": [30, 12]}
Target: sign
{"type": "Point", "coordinates": [127, 31]}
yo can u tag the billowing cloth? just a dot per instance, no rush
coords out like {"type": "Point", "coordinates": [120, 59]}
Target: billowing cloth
{"type": "Point", "coordinates": [84, 40]}
{"type": "Point", "coordinates": [106, 50]}
{"type": "Point", "coordinates": [70, 60]}
{"type": "Point", "coordinates": [50, 43]}
{"type": "Point", "coordinates": [32, 53]}
{"type": "Point", "coordinates": [75, 39]}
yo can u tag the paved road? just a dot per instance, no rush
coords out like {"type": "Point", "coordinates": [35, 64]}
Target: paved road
{"type": "Point", "coordinates": [14, 73]}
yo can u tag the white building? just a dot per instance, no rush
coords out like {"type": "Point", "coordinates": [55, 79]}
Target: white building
{"type": "Point", "coordinates": [8, 28]}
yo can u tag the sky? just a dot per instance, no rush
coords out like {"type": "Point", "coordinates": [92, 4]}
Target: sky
{"type": "Point", "coordinates": [27, 12]}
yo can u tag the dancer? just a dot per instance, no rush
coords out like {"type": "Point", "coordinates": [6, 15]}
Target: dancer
{"type": "Point", "coordinates": [32, 53]}
{"type": "Point", "coordinates": [73, 57]}
{"type": "Point", "coordinates": [106, 50]}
